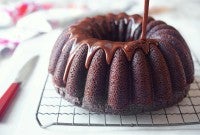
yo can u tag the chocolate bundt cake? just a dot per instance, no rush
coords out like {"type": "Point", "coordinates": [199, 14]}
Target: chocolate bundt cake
{"type": "Point", "coordinates": [102, 64]}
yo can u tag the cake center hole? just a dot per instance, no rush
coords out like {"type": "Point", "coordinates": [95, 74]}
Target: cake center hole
{"type": "Point", "coordinates": [118, 31]}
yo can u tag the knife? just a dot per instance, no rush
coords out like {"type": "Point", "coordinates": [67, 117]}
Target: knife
{"type": "Point", "coordinates": [22, 76]}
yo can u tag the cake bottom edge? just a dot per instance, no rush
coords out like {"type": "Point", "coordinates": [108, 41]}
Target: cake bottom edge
{"type": "Point", "coordinates": [130, 109]}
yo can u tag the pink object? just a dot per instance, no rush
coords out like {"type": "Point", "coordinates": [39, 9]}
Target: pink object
{"type": "Point", "coordinates": [7, 46]}
{"type": "Point", "coordinates": [25, 8]}
{"type": "Point", "coordinates": [7, 41]}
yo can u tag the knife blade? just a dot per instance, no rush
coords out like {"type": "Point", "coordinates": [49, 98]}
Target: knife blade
{"type": "Point", "coordinates": [14, 87]}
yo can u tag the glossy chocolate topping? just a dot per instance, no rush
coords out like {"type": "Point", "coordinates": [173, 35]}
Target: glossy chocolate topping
{"type": "Point", "coordinates": [110, 32]}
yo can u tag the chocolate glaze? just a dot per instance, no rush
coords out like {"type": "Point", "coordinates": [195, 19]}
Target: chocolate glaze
{"type": "Point", "coordinates": [85, 34]}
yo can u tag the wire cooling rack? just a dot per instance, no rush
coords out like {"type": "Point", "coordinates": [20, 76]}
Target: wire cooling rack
{"type": "Point", "coordinates": [54, 110]}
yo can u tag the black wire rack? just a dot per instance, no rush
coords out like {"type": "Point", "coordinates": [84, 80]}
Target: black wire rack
{"type": "Point", "coordinates": [54, 110]}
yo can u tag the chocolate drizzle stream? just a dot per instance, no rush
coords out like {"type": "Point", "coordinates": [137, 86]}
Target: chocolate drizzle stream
{"type": "Point", "coordinates": [93, 33]}
{"type": "Point", "coordinates": [145, 18]}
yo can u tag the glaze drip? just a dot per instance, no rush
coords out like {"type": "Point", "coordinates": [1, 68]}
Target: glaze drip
{"type": "Point", "coordinates": [108, 33]}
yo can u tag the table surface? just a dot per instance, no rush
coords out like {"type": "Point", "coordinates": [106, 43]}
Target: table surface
{"type": "Point", "coordinates": [20, 117]}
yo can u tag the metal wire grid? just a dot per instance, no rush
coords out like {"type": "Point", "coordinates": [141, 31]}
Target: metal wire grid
{"type": "Point", "coordinates": [54, 110]}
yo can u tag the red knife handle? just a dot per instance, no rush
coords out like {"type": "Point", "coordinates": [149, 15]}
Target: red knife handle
{"type": "Point", "coordinates": [7, 97]}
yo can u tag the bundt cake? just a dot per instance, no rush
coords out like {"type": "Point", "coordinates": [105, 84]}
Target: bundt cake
{"type": "Point", "coordinates": [104, 64]}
